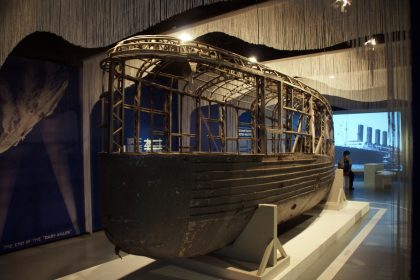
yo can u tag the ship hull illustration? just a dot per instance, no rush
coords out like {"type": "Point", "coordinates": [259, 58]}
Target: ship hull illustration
{"type": "Point", "coordinates": [224, 135]}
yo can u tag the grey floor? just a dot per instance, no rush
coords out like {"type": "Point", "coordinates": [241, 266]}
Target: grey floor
{"type": "Point", "coordinates": [383, 254]}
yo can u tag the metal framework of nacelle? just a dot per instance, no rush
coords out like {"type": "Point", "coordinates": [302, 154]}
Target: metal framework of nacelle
{"type": "Point", "coordinates": [199, 98]}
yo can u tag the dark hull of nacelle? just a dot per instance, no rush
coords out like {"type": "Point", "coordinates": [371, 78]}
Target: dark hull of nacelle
{"type": "Point", "coordinates": [176, 205]}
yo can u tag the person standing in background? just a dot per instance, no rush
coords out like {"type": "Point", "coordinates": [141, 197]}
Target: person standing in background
{"type": "Point", "coordinates": [345, 164]}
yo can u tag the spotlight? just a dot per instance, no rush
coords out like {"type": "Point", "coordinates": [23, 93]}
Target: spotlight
{"type": "Point", "coordinates": [185, 37]}
{"type": "Point", "coordinates": [252, 59]}
{"type": "Point", "coordinates": [342, 4]}
{"type": "Point", "coordinates": [371, 42]}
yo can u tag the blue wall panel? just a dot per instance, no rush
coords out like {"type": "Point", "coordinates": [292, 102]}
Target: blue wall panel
{"type": "Point", "coordinates": [41, 178]}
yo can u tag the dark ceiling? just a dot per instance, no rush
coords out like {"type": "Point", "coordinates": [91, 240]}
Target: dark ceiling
{"type": "Point", "coordinates": [48, 46]}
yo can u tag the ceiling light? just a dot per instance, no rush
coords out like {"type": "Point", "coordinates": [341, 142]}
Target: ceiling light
{"type": "Point", "coordinates": [332, 77]}
{"type": "Point", "coordinates": [185, 37]}
{"type": "Point", "coordinates": [371, 42]}
{"type": "Point", "coordinates": [342, 4]}
{"type": "Point", "coordinates": [252, 59]}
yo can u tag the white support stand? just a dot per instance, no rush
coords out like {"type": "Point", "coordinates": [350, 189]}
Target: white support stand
{"type": "Point", "coordinates": [337, 198]}
{"type": "Point", "coordinates": [255, 254]}
{"type": "Point", "coordinates": [258, 242]}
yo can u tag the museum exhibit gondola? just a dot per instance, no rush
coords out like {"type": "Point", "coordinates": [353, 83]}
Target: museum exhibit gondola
{"type": "Point", "coordinates": [195, 138]}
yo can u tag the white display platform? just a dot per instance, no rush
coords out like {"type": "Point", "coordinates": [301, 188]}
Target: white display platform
{"type": "Point", "coordinates": [307, 247]}
{"type": "Point", "coordinates": [370, 174]}
{"type": "Point", "coordinates": [304, 249]}
{"type": "Point", "coordinates": [383, 179]}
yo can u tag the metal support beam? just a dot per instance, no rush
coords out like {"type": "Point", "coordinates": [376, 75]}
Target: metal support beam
{"type": "Point", "coordinates": [168, 119]}
{"type": "Point", "coordinates": [280, 115]}
{"type": "Point", "coordinates": [110, 107]}
{"type": "Point", "coordinates": [137, 114]}
{"type": "Point", "coordinates": [198, 124]}
{"type": "Point", "coordinates": [260, 116]}
{"type": "Point", "coordinates": [312, 120]}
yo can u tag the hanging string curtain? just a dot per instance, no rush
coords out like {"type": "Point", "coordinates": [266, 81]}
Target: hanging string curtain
{"type": "Point", "coordinates": [286, 25]}
{"type": "Point", "coordinates": [358, 74]}
{"type": "Point", "coordinates": [308, 24]}
{"type": "Point", "coordinates": [86, 23]}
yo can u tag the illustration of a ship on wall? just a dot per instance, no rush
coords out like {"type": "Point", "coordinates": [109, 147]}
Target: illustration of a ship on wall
{"type": "Point", "coordinates": [195, 138]}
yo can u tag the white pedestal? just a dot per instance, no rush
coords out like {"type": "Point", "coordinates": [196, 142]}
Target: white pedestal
{"type": "Point", "coordinates": [383, 179]}
{"type": "Point", "coordinates": [370, 173]}
{"type": "Point", "coordinates": [304, 250]}
{"type": "Point", "coordinates": [307, 247]}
